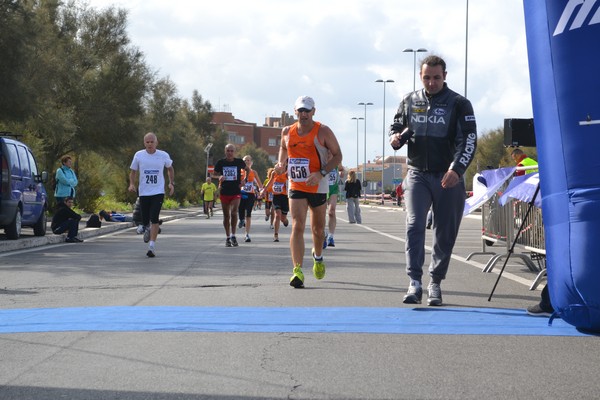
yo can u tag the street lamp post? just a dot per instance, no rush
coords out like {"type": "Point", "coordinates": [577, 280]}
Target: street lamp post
{"type": "Point", "coordinates": [421, 50]}
{"type": "Point", "coordinates": [207, 151]}
{"type": "Point", "coordinates": [357, 160]}
{"type": "Point", "coordinates": [383, 147]}
{"type": "Point", "coordinates": [364, 174]}
{"type": "Point", "coordinates": [466, 45]}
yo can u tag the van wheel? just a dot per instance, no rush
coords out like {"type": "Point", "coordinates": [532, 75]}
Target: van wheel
{"type": "Point", "coordinates": [13, 230]}
{"type": "Point", "coordinates": [39, 229]}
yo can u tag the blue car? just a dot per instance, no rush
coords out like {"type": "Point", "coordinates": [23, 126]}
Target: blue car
{"type": "Point", "coordinates": [23, 198]}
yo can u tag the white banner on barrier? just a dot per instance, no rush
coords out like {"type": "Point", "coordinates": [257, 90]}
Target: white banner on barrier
{"type": "Point", "coordinates": [485, 185]}
{"type": "Point", "coordinates": [523, 188]}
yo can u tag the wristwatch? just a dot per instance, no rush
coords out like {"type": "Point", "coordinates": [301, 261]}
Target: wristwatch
{"type": "Point", "coordinates": [323, 172]}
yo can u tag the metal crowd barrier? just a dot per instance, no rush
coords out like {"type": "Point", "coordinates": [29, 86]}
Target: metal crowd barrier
{"type": "Point", "coordinates": [377, 198]}
{"type": "Point", "coordinates": [500, 225]}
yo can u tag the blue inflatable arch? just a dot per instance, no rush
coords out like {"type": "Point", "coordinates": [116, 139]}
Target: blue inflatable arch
{"type": "Point", "coordinates": [563, 42]}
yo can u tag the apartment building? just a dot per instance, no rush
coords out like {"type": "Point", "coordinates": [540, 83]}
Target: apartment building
{"type": "Point", "coordinates": [394, 171]}
{"type": "Point", "coordinates": [241, 133]}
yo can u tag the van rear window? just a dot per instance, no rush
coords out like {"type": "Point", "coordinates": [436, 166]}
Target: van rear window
{"type": "Point", "coordinates": [15, 168]}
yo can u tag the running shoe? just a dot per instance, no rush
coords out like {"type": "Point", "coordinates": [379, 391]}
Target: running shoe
{"type": "Point", "coordinates": [140, 229]}
{"type": "Point", "coordinates": [297, 280]}
{"type": "Point", "coordinates": [266, 217]}
{"type": "Point", "coordinates": [318, 267]}
{"type": "Point", "coordinates": [247, 239]}
{"type": "Point", "coordinates": [227, 242]}
{"type": "Point", "coordinates": [234, 242]}
{"type": "Point", "coordinates": [146, 234]}
{"type": "Point", "coordinates": [330, 241]}
{"type": "Point", "coordinates": [413, 295]}
{"type": "Point", "coordinates": [151, 252]}
{"type": "Point", "coordinates": [276, 238]}
{"type": "Point", "coordinates": [435, 294]}
{"type": "Point", "coordinates": [325, 242]}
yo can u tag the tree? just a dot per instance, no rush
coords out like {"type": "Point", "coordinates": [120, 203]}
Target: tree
{"type": "Point", "coordinates": [200, 114]}
{"type": "Point", "coordinates": [260, 158]}
{"type": "Point", "coordinates": [17, 33]}
{"type": "Point", "coordinates": [114, 81]}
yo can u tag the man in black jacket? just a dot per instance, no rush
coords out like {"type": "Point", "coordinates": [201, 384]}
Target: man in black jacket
{"type": "Point", "coordinates": [66, 220]}
{"type": "Point", "coordinates": [439, 126]}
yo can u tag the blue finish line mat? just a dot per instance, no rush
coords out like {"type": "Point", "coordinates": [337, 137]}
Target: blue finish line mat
{"type": "Point", "coordinates": [425, 320]}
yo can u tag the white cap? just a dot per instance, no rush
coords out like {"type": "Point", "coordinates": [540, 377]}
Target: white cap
{"type": "Point", "coordinates": [304, 102]}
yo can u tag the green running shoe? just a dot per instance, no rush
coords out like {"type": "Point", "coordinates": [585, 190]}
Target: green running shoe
{"type": "Point", "coordinates": [297, 280]}
{"type": "Point", "coordinates": [318, 268]}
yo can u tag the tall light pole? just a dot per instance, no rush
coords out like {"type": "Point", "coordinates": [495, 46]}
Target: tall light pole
{"type": "Point", "coordinates": [383, 147]}
{"type": "Point", "coordinates": [364, 174]}
{"type": "Point", "coordinates": [466, 45]}
{"type": "Point", "coordinates": [421, 50]}
{"type": "Point", "coordinates": [207, 151]}
{"type": "Point", "coordinates": [357, 161]}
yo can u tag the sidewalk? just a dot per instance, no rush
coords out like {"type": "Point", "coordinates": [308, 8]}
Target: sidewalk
{"type": "Point", "coordinates": [28, 240]}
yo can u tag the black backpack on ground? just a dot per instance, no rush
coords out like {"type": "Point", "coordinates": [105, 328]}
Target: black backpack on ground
{"type": "Point", "coordinates": [93, 221]}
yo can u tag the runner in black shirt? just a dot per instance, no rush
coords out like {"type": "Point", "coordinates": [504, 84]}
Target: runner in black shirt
{"type": "Point", "coordinates": [230, 183]}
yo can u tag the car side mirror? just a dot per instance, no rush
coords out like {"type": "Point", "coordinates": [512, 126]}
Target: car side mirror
{"type": "Point", "coordinates": [43, 178]}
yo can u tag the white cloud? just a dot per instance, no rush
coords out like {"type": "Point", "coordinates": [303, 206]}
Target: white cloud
{"type": "Point", "coordinates": [257, 57]}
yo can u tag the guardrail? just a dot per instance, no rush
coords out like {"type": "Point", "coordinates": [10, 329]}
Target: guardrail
{"type": "Point", "coordinates": [378, 198]}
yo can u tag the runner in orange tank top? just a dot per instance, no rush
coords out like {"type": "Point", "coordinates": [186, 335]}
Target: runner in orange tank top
{"type": "Point", "coordinates": [304, 147]}
{"type": "Point", "coordinates": [248, 196]}
{"type": "Point", "coordinates": [277, 185]}
{"type": "Point", "coordinates": [267, 195]}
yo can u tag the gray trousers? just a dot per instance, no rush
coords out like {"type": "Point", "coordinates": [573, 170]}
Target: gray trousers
{"type": "Point", "coordinates": [353, 207]}
{"type": "Point", "coordinates": [423, 190]}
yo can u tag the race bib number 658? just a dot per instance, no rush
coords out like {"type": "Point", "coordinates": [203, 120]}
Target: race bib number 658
{"type": "Point", "coordinates": [298, 170]}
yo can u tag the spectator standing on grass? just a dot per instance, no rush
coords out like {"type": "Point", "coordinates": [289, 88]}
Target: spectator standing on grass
{"type": "Point", "coordinates": [65, 179]}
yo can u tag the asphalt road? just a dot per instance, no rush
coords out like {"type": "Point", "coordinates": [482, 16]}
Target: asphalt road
{"type": "Point", "coordinates": [202, 321]}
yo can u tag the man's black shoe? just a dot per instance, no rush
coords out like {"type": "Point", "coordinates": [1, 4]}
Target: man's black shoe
{"type": "Point", "coordinates": [538, 311]}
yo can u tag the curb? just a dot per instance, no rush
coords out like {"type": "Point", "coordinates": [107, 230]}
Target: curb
{"type": "Point", "coordinates": [30, 241]}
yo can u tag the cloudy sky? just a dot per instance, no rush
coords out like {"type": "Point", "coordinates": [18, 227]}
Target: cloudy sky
{"type": "Point", "coordinates": [255, 58]}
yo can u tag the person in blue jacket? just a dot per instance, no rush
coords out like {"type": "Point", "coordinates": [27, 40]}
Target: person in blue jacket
{"type": "Point", "coordinates": [66, 180]}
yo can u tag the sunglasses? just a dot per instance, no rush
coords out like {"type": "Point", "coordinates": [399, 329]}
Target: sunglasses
{"type": "Point", "coordinates": [304, 110]}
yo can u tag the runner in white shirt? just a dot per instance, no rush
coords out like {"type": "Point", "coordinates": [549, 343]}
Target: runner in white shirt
{"type": "Point", "coordinates": [149, 165]}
